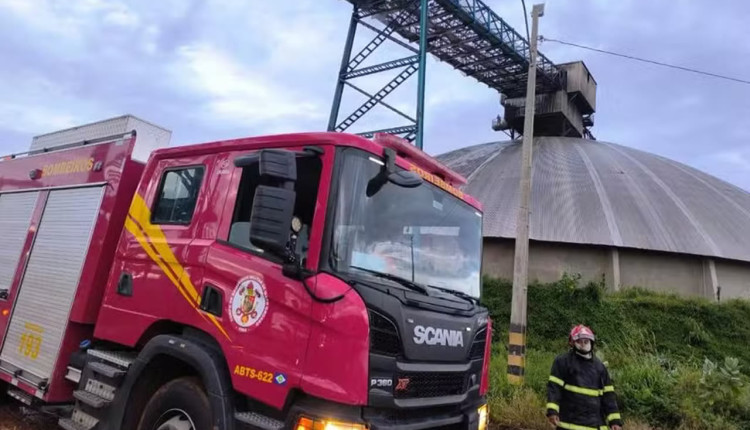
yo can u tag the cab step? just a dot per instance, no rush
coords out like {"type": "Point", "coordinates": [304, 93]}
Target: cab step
{"type": "Point", "coordinates": [257, 421]}
{"type": "Point", "coordinates": [69, 424]}
{"type": "Point", "coordinates": [100, 389]}
{"type": "Point", "coordinates": [20, 395]}
{"type": "Point", "coordinates": [79, 421]}
{"type": "Point", "coordinates": [119, 358]}
{"type": "Point", "coordinates": [98, 382]}
{"type": "Point", "coordinates": [107, 370]}
{"type": "Point", "coordinates": [91, 399]}
{"type": "Point", "coordinates": [73, 374]}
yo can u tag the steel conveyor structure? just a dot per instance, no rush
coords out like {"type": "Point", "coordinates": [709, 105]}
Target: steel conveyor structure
{"type": "Point", "coordinates": [472, 38]}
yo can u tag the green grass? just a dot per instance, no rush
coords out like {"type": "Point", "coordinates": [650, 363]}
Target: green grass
{"type": "Point", "coordinates": [653, 344]}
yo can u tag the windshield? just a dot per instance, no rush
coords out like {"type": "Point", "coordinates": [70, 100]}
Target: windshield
{"type": "Point", "coordinates": [423, 234]}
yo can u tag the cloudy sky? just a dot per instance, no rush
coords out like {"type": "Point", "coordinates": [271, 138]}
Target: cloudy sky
{"type": "Point", "coordinates": [210, 70]}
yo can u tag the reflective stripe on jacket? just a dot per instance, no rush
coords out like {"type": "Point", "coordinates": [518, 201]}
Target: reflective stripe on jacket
{"type": "Point", "coordinates": [581, 393]}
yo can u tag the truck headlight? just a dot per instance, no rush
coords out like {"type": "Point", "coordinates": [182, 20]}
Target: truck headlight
{"type": "Point", "coordinates": [484, 417]}
{"type": "Point", "coordinates": [305, 423]}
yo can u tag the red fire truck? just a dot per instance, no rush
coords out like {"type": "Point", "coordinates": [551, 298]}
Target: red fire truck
{"type": "Point", "coordinates": [314, 281]}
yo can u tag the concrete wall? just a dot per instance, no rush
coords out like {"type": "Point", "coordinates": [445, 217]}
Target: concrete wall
{"type": "Point", "coordinates": [622, 268]}
{"type": "Point", "coordinates": [734, 279]}
{"type": "Point", "coordinates": [672, 273]}
{"type": "Point", "coordinates": [547, 261]}
{"type": "Point", "coordinates": [497, 258]}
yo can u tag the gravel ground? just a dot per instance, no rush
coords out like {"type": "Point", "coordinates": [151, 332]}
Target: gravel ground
{"type": "Point", "coordinates": [14, 417]}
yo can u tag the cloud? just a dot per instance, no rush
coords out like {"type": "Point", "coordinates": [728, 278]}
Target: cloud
{"type": "Point", "coordinates": [35, 104]}
{"type": "Point", "coordinates": [738, 158]}
{"type": "Point", "coordinates": [213, 69]}
{"type": "Point", "coordinates": [120, 15]}
{"type": "Point", "coordinates": [17, 118]}
{"type": "Point", "coordinates": [235, 93]}
{"type": "Point", "coordinates": [70, 19]}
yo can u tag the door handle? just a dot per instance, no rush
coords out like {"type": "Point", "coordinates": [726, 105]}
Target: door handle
{"type": "Point", "coordinates": [125, 284]}
{"type": "Point", "coordinates": [211, 300]}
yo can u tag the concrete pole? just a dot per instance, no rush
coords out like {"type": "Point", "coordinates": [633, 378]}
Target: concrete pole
{"type": "Point", "coordinates": [517, 341]}
{"type": "Point", "coordinates": [423, 23]}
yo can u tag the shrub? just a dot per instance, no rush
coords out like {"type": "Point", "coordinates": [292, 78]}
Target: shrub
{"type": "Point", "coordinates": [662, 352]}
{"type": "Point", "coordinates": [521, 408]}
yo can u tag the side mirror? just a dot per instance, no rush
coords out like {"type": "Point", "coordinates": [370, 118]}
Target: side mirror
{"type": "Point", "coordinates": [278, 164]}
{"type": "Point", "coordinates": [271, 218]}
{"type": "Point", "coordinates": [405, 178]}
{"type": "Point", "coordinates": [389, 173]}
{"type": "Point", "coordinates": [273, 204]}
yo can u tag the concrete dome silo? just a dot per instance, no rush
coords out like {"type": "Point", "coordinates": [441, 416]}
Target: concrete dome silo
{"type": "Point", "coordinates": [605, 210]}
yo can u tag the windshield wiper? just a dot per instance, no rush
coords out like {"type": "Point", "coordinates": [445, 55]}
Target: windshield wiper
{"type": "Point", "coordinates": [460, 294]}
{"type": "Point", "coordinates": [405, 282]}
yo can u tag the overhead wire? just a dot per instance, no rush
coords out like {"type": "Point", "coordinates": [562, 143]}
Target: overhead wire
{"type": "Point", "coordinates": [645, 60]}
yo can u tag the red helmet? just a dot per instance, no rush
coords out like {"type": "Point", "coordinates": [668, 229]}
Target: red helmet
{"type": "Point", "coordinates": [581, 332]}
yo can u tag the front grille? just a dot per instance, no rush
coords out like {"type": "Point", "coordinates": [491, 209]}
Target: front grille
{"type": "Point", "coordinates": [402, 418]}
{"type": "Point", "coordinates": [384, 338]}
{"type": "Point", "coordinates": [477, 347]}
{"type": "Point", "coordinates": [410, 415]}
{"type": "Point", "coordinates": [429, 384]}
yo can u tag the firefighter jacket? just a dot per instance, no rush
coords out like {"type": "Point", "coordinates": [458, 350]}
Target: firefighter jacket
{"type": "Point", "coordinates": [580, 392]}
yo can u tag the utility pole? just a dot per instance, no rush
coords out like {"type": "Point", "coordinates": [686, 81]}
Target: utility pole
{"type": "Point", "coordinates": [517, 341]}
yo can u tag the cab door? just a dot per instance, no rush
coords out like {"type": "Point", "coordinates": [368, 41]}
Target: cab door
{"type": "Point", "coordinates": [159, 269]}
{"type": "Point", "coordinates": [266, 314]}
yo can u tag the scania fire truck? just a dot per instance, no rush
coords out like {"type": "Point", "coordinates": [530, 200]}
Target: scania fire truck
{"type": "Point", "coordinates": [312, 281]}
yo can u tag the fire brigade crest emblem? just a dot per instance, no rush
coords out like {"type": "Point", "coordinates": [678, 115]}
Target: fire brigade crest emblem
{"type": "Point", "coordinates": [249, 303]}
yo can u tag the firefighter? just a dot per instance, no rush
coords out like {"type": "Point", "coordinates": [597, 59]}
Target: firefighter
{"type": "Point", "coordinates": [580, 394]}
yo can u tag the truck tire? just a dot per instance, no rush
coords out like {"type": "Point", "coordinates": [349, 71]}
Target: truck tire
{"type": "Point", "coordinates": [180, 404]}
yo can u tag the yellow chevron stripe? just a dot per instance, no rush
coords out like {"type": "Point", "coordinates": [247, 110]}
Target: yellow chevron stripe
{"type": "Point", "coordinates": [141, 213]}
{"type": "Point", "coordinates": [165, 258]}
{"type": "Point", "coordinates": [218, 325]}
{"type": "Point", "coordinates": [143, 241]}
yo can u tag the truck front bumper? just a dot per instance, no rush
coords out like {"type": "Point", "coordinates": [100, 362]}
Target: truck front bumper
{"type": "Point", "coordinates": [472, 417]}
{"type": "Point", "coordinates": [467, 419]}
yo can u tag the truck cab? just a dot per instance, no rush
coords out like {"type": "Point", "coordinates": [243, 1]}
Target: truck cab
{"type": "Point", "coordinates": [302, 281]}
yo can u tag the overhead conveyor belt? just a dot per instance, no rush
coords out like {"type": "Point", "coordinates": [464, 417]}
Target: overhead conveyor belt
{"type": "Point", "coordinates": [469, 36]}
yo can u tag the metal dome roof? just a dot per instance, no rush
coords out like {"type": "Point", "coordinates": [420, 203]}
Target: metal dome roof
{"type": "Point", "coordinates": [593, 192]}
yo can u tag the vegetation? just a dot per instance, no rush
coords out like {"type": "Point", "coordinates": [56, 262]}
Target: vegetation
{"type": "Point", "coordinates": [677, 363]}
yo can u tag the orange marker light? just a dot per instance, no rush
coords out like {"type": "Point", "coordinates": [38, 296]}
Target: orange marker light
{"type": "Point", "coordinates": [317, 424]}
{"type": "Point", "coordinates": [5, 312]}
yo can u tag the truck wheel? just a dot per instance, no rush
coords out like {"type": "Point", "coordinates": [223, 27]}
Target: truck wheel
{"type": "Point", "coordinates": [180, 404]}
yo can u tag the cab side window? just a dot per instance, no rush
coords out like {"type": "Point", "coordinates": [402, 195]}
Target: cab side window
{"type": "Point", "coordinates": [306, 188]}
{"type": "Point", "coordinates": [177, 196]}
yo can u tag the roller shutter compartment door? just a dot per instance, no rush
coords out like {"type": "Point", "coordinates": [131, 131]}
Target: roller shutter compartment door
{"type": "Point", "coordinates": [41, 311]}
{"type": "Point", "coordinates": [16, 210]}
